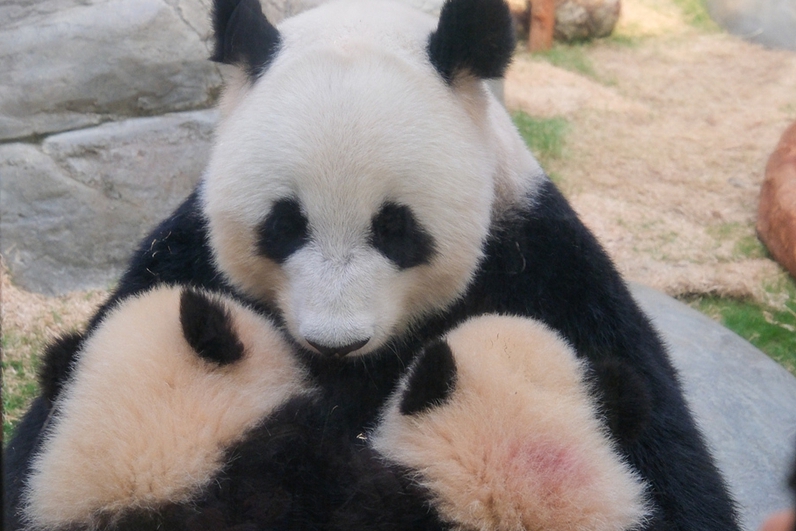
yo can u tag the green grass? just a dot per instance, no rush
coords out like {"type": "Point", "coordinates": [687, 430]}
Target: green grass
{"type": "Point", "coordinates": [750, 246]}
{"type": "Point", "coordinates": [19, 386]}
{"type": "Point", "coordinates": [546, 137]}
{"type": "Point", "coordinates": [696, 14]}
{"type": "Point", "coordinates": [570, 57]}
{"type": "Point", "coordinates": [769, 328]}
{"type": "Point", "coordinates": [747, 245]}
{"type": "Point", "coordinates": [622, 40]}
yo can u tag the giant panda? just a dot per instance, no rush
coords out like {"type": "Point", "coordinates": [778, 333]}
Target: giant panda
{"type": "Point", "coordinates": [367, 192]}
{"type": "Point", "coordinates": [187, 411]}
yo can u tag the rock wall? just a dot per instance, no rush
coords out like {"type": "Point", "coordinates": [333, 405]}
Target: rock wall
{"type": "Point", "coordinates": [771, 23]}
{"type": "Point", "coordinates": [106, 123]}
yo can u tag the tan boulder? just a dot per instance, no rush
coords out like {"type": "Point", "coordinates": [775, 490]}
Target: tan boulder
{"type": "Point", "coordinates": [566, 20]}
{"type": "Point", "coordinates": [585, 19]}
{"type": "Point", "coordinates": [776, 215]}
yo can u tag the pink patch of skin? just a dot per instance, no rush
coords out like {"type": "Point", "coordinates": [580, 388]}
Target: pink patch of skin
{"type": "Point", "coordinates": [551, 466]}
{"type": "Point", "coordinates": [782, 521]}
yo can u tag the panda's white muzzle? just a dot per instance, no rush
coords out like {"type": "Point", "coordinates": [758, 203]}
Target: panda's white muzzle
{"type": "Point", "coordinates": [341, 305]}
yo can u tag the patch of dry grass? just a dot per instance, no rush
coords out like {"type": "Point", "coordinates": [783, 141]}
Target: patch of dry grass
{"type": "Point", "coordinates": [667, 145]}
{"type": "Point", "coordinates": [29, 321]}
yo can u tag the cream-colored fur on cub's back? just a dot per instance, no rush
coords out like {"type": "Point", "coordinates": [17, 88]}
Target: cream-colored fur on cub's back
{"type": "Point", "coordinates": [145, 420]}
{"type": "Point", "coordinates": [517, 445]}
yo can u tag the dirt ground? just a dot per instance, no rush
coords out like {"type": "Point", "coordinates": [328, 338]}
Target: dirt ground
{"type": "Point", "coordinates": [666, 148]}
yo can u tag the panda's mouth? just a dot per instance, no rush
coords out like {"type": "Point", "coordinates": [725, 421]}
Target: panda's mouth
{"type": "Point", "coordinates": [338, 351]}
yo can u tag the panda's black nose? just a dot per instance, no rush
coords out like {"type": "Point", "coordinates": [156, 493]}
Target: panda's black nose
{"type": "Point", "coordinates": [338, 350]}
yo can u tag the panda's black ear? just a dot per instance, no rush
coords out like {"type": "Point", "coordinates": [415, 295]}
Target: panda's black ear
{"type": "Point", "coordinates": [431, 381]}
{"type": "Point", "coordinates": [243, 36]}
{"type": "Point", "coordinates": [473, 37]}
{"type": "Point", "coordinates": [207, 327]}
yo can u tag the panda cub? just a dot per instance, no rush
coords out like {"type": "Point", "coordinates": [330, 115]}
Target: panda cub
{"type": "Point", "coordinates": [186, 411]}
{"type": "Point", "coordinates": [169, 380]}
{"type": "Point", "coordinates": [498, 424]}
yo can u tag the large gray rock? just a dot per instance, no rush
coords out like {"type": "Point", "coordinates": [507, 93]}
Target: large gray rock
{"type": "Point", "coordinates": [278, 10]}
{"type": "Point", "coordinates": [744, 402]}
{"type": "Point", "coordinates": [769, 22]}
{"type": "Point", "coordinates": [72, 64]}
{"type": "Point", "coordinates": [74, 209]}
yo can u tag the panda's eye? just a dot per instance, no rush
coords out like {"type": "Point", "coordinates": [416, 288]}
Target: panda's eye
{"type": "Point", "coordinates": [396, 233]}
{"type": "Point", "coordinates": [283, 232]}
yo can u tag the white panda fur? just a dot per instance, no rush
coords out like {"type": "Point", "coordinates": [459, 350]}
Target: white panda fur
{"type": "Point", "coordinates": [515, 442]}
{"type": "Point", "coordinates": [145, 420]}
{"type": "Point", "coordinates": [348, 115]}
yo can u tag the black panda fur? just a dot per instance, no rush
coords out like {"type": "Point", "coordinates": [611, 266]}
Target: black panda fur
{"type": "Point", "coordinates": [245, 37]}
{"type": "Point", "coordinates": [538, 261]}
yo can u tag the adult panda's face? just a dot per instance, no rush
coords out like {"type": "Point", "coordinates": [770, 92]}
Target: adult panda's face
{"type": "Point", "coordinates": [349, 186]}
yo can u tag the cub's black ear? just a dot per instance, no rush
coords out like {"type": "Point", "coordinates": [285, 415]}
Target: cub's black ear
{"type": "Point", "coordinates": [243, 36]}
{"type": "Point", "coordinates": [207, 327]}
{"type": "Point", "coordinates": [624, 398]}
{"type": "Point", "coordinates": [57, 364]}
{"type": "Point", "coordinates": [473, 36]}
{"type": "Point", "coordinates": [431, 381]}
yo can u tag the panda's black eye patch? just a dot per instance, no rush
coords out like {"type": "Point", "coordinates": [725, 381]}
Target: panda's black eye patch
{"type": "Point", "coordinates": [284, 231]}
{"type": "Point", "coordinates": [396, 233]}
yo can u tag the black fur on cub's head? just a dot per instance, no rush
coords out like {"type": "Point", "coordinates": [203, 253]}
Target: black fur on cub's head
{"type": "Point", "coordinates": [431, 381]}
{"type": "Point", "coordinates": [473, 36]}
{"type": "Point", "coordinates": [208, 328]}
{"type": "Point", "coordinates": [243, 36]}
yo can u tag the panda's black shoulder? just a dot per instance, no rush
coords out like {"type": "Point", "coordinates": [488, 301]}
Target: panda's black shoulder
{"type": "Point", "coordinates": [176, 251]}
{"type": "Point", "coordinates": [543, 262]}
